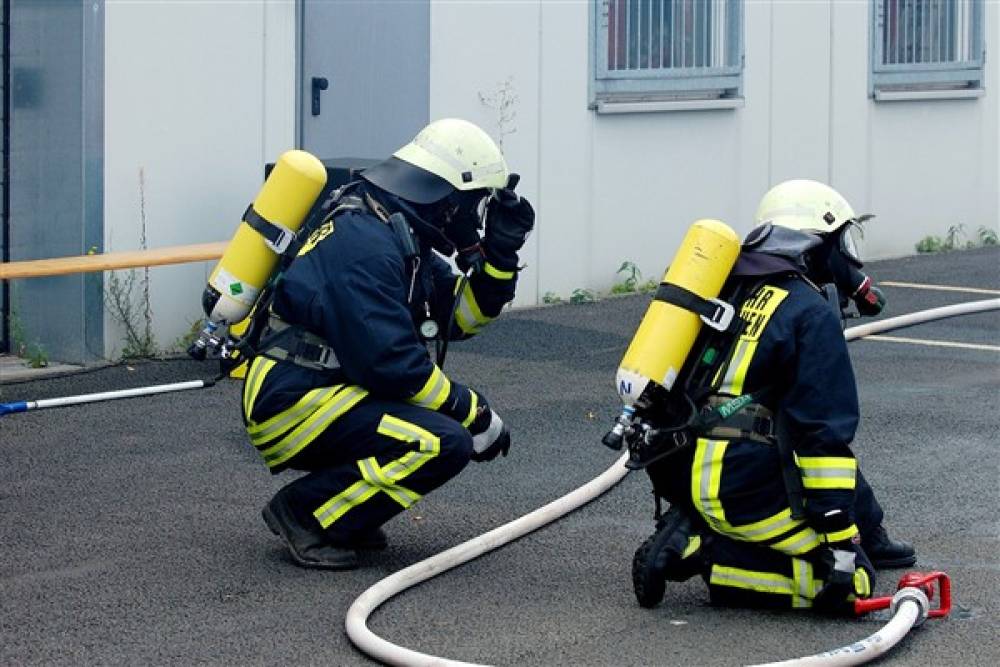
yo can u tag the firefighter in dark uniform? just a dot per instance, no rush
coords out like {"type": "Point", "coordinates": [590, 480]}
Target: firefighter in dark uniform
{"type": "Point", "coordinates": [731, 518]}
{"type": "Point", "coordinates": [355, 399]}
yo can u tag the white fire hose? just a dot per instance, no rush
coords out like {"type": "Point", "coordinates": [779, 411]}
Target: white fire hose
{"type": "Point", "coordinates": [910, 610]}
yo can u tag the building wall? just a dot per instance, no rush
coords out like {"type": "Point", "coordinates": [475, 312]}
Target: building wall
{"type": "Point", "coordinates": [614, 188]}
{"type": "Point", "coordinates": [198, 97]}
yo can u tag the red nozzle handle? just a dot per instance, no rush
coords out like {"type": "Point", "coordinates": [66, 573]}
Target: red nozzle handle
{"type": "Point", "coordinates": [925, 581]}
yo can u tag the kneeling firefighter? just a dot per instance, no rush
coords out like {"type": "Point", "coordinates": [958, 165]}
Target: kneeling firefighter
{"type": "Point", "coordinates": [751, 446]}
{"type": "Point", "coordinates": [350, 394]}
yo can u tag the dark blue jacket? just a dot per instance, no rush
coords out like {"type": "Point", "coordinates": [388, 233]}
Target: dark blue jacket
{"type": "Point", "coordinates": [351, 285]}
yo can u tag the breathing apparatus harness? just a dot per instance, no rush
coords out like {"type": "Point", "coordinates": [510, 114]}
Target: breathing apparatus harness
{"type": "Point", "coordinates": [272, 337]}
{"type": "Point", "coordinates": [665, 422]}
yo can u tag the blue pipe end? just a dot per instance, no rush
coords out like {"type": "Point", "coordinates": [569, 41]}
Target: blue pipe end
{"type": "Point", "coordinates": [11, 408]}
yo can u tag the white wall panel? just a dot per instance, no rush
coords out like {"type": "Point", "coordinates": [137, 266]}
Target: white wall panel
{"type": "Point", "coordinates": [800, 91]}
{"type": "Point", "coordinates": [475, 48]}
{"type": "Point", "coordinates": [198, 96]}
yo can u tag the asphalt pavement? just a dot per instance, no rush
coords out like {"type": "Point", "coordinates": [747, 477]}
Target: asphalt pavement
{"type": "Point", "coordinates": [130, 531]}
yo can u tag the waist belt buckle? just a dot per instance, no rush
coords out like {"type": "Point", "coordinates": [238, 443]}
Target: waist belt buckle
{"type": "Point", "coordinates": [764, 426]}
{"type": "Point", "coordinates": [327, 359]}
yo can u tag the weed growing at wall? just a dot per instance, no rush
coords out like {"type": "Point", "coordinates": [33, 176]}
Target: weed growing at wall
{"type": "Point", "coordinates": [632, 282]}
{"type": "Point", "coordinates": [127, 297]}
{"type": "Point", "coordinates": [957, 239]}
{"type": "Point", "coordinates": [31, 351]}
{"type": "Point", "coordinates": [503, 102]}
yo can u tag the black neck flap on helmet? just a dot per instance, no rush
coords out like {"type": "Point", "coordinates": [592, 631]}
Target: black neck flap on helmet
{"type": "Point", "coordinates": [447, 218]}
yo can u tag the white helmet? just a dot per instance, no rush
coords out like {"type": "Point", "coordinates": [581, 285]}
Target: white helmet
{"type": "Point", "coordinates": [449, 154]}
{"type": "Point", "coordinates": [803, 205]}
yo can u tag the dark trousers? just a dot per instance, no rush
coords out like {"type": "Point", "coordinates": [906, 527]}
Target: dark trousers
{"type": "Point", "coordinates": [868, 513]}
{"type": "Point", "coordinates": [374, 462]}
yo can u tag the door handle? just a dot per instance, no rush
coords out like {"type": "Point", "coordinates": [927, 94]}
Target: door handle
{"type": "Point", "coordinates": [319, 84]}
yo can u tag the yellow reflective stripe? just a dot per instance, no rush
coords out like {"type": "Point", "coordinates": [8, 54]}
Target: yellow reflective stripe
{"type": "Point", "coordinates": [827, 462]}
{"type": "Point", "coordinates": [827, 472]}
{"type": "Point", "coordinates": [376, 476]}
{"type": "Point", "coordinates": [338, 506]}
{"type": "Point", "coordinates": [468, 316]}
{"type": "Point", "coordinates": [434, 392]}
{"type": "Point", "coordinates": [473, 406]}
{"type": "Point", "coordinates": [313, 426]}
{"type": "Point", "coordinates": [429, 446]}
{"type": "Point", "coordinates": [841, 535]}
{"type": "Point", "coordinates": [799, 543]}
{"type": "Point", "coordinates": [740, 374]}
{"type": "Point", "coordinates": [694, 543]}
{"type": "Point", "coordinates": [385, 479]}
{"type": "Point", "coordinates": [286, 419]}
{"type": "Point", "coordinates": [767, 528]}
{"type": "Point", "coordinates": [705, 480]}
{"type": "Point", "coordinates": [862, 583]}
{"type": "Point", "coordinates": [706, 477]}
{"type": "Point", "coordinates": [844, 483]}
{"type": "Point", "coordinates": [756, 312]}
{"type": "Point", "coordinates": [752, 580]}
{"type": "Point", "coordinates": [497, 273]}
{"type": "Point", "coordinates": [804, 584]}
{"type": "Point", "coordinates": [255, 378]}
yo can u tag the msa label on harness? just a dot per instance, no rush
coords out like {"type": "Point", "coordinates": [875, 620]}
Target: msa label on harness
{"type": "Point", "coordinates": [757, 310]}
{"type": "Point", "coordinates": [234, 288]}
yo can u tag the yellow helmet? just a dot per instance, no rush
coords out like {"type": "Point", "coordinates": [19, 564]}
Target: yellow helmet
{"type": "Point", "coordinates": [803, 205]}
{"type": "Point", "coordinates": [449, 154]}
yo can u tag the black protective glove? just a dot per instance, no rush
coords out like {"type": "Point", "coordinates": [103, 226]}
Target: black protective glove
{"type": "Point", "coordinates": [835, 597]}
{"type": "Point", "coordinates": [869, 299]}
{"type": "Point", "coordinates": [489, 435]}
{"type": "Point", "coordinates": [509, 220]}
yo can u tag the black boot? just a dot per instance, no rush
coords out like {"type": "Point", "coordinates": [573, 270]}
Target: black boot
{"type": "Point", "coordinates": [374, 539]}
{"type": "Point", "coordinates": [886, 553]}
{"type": "Point", "coordinates": [659, 558]}
{"type": "Point", "coordinates": [307, 544]}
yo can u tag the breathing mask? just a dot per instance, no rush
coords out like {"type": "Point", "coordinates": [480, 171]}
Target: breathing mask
{"type": "Point", "coordinates": [843, 268]}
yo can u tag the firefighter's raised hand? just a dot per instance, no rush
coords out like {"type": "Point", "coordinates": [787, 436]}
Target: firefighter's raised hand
{"type": "Point", "coordinates": [509, 220]}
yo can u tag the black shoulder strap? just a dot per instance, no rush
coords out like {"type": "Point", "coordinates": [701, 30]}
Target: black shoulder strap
{"type": "Point", "coordinates": [278, 237]}
{"type": "Point", "coordinates": [714, 312]}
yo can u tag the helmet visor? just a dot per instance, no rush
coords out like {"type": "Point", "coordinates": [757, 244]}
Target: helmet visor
{"type": "Point", "coordinates": [850, 237]}
{"type": "Point", "coordinates": [408, 181]}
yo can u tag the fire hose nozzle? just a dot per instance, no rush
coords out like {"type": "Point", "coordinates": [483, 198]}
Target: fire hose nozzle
{"type": "Point", "coordinates": [923, 582]}
{"type": "Point", "coordinates": [912, 594]}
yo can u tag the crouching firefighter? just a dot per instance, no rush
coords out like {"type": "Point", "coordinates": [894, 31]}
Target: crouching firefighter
{"type": "Point", "coordinates": [343, 386]}
{"type": "Point", "coordinates": [749, 441]}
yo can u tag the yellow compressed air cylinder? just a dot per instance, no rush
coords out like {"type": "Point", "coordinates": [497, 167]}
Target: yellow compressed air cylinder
{"type": "Point", "coordinates": [667, 332]}
{"type": "Point", "coordinates": [248, 262]}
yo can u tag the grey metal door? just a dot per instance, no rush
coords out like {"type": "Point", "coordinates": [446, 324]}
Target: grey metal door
{"type": "Point", "coordinates": [364, 75]}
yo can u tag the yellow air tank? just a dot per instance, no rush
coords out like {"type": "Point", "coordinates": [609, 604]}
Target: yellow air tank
{"type": "Point", "coordinates": [249, 260]}
{"type": "Point", "coordinates": [667, 332]}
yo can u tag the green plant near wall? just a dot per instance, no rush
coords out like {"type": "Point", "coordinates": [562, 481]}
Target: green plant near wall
{"type": "Point", "coordinates": [581, 295]}
{"type": "Point", "coordinates": [957, 239]}
{"type": "Point", "coordinates": [987, 236]}
{"type": "Point", "coordinates": [184, 341]}
{"type": "Point", "coordinates": [631, 278]}
{"type": "Point", "coordinates": [632, 282]}
{"type": "Point", "coordinates": [127, 297]}
{"type": "Point", "coordinates": [31, 351]}
{"type": "Point", "coordinates": [550, 298]}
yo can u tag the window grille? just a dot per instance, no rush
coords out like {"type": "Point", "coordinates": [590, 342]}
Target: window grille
{"type": "Point", "coordinates": [666, 49]}
{"type": "Point", "coordinates": [927, 45]}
